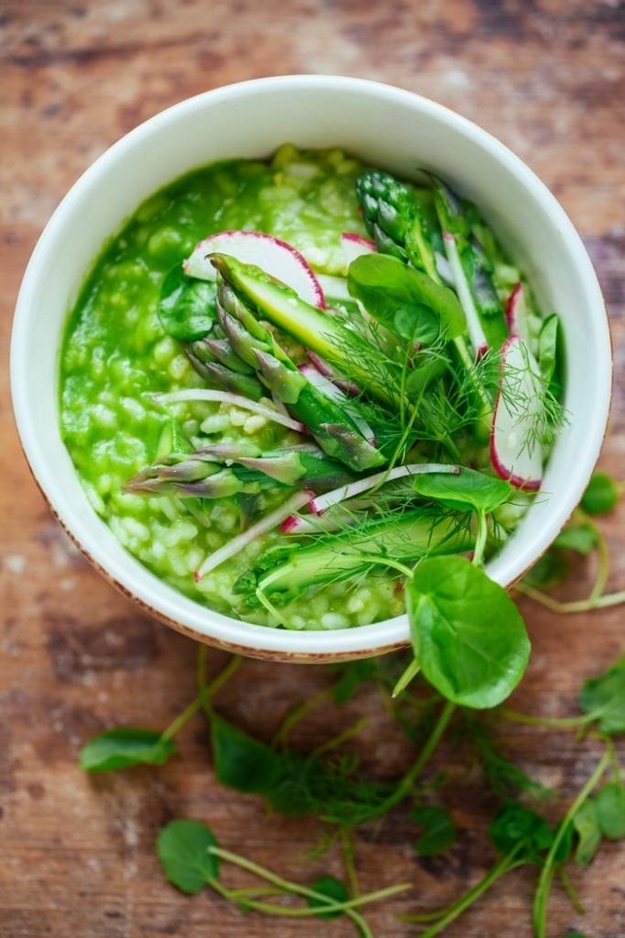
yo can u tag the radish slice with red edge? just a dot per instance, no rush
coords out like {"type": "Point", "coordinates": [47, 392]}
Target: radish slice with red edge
{"type": "Point", "coordinates": [515, 440]}
{"type": "Point", "coordinates": [517, 313]}
{"type": "Point", "coordinates": [275, 257]}
{"type": "Point", "coordinates": [334, 288]}
{"type": "Point", "coordinates": [352, 245]}
{"type": "Point", "coordinates": [318, 504]}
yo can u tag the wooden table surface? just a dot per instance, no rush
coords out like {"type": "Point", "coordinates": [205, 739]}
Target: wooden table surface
{"type": "Point", "coordinates": [76, 852]}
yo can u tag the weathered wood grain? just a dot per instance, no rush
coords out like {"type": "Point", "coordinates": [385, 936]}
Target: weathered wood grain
{"type": "Point", "coordinates": [547, 77]}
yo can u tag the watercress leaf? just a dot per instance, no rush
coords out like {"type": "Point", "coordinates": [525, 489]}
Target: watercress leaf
{"type": "Point", "coordinates": [588, 832]}
{"type": "Point", "coordinates": [438, 830]}
{"type": "Point", "coordinates": [123, 747]}
{"type": "Point", "coordinates": [601, 494]}
{"type": "Point", "coordinates": [610, 810]}
{"type": "Point", "coordinates": [515, 824]}
{"type": "Point", "coordinates": [385, 285]}
{"type": "Point", "coordinates": [242, 762]}
{"type": "Point", "coordinates": [581, 538]}
{"type": "Point", "coordinates": [182, 847]}
{"type": "Point", "coordinates": [334, 889]}
{"type": "Point", "coordinates": [416, 323]}
{"type": "Point", "coordinates": [604, 697]}
{"type": "Point", "coordinates": [186, 306]}
{"type": "Point", "coordinates": [467, 633]}
{"type": "Point", "coordinates": [464, 490]}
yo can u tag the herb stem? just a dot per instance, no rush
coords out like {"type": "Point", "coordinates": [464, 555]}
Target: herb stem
{"type": "Point", "coordinates": [578, 722]}
{"type": "Point", "coordinates": [349, 733]}
{"type": "Point", "coordinates": [205, 692]}
{"type": "Point", "coordinates": [349, 860]}
{"type": "Point", "coordinates": [407, 781]}
{"type": "Point", "coordinates": [295, 715]}
{"type": "Point", "coordinates": [448, 915]}
{"type": "Point", "coordinates": [224, 675]}
{"type": "Point", "coordinates": [176, 725]}
{"type": "Point", "coordinates": [603, 567]}
{"type": "Point", "coordinates": [407, 676]}
{"type": "Point", "coordinates": [245, 898]}
{"type": "Point", "coordinates": [541, 897]}
{"type": "Point", "coordinates": [287, 886]}
{"type": "Point", "coordinates": [571, 892]}
{"type": "Point", "coordinates": [480, 540]}
{"type": "Point", "coordinates": [579, 605]}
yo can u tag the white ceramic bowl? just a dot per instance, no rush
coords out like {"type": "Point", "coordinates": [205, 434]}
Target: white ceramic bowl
{"type": "Point", "coordinates": [391, 128]}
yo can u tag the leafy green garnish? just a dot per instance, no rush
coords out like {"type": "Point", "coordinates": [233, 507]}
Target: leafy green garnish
{"type": "Point", "coordinates": [242, 762]}
{"type": "Point", "coordinates": [506, 779]}
{"type": "Point", "coordinates": [186, 307]}
{"type": "Point", "coordinates": [183, 849]}
{"type": "Point", "coordinates": [603, 697]}
{"type": "Point", "coordinates": [467, 633]}
{"type": "Point", "coordinates": [602, 815]}
{"type": "Point", "coordinates": [438, 830]}
{"type": "Point", "coordinates": [516, 829]}
{"type": "Point", "coordinates": [406, 301]}
{"type": "Point", "coordinates": [123, 747]}
{"type": "Point", "coordinates": [581, 538]}
{"type": "Point", "coordinates": [465, 489]}
{"type": "Point", "coordinates": [601, 494]}
{"type": "Point", "coordinates": [549, 570]}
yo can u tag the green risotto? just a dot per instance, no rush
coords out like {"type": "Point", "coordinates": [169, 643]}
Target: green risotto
{"type": "Point", "coordinates": [399, 406]}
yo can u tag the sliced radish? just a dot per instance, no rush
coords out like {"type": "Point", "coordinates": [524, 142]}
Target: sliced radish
{"type": "Point", "coordinates": [275, 257]}
{"type": "Point", "coordinates": [241, 541]}
{"type": "Point", "coordinates": [354, 245]}
{"type": "Point", "coordinates": [318, 505]}
{"type": "Point", "coordinates": [348, 388]}
{"type": "Point", "coordinates": [518, 422]}
{"type": "Point", "coordinates": [517, 313]}
{"type": "Point", "coordinates": [334, 288]}
{"type": "Point", "coordinates": [351, 246]}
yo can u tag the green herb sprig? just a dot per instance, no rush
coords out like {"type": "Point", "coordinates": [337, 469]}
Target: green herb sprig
{"type": "Point", "coordinates": [330, 784]}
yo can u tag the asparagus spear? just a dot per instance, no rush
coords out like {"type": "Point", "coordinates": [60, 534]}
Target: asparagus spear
{"type": "Point", "coordinates": [392, 212]}
{"type": "Point", "coordinates": [330, 424]}
{"type": "Point", "coordinates": [329, 338]}
{"type": "Point", "coordinates": [284, 573]}
{"type": "Point", "coordinates": [471, 267]}
{"type": "Point", "coordinates": [401, 222]}
{"type": "Point", "coordinates": [222, 470]}
{"type": "Point", "coordinates": [228, 379]}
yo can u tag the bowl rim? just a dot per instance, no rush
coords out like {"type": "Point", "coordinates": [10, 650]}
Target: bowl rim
{"type": "Point", "coordinates": [130, 577]}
